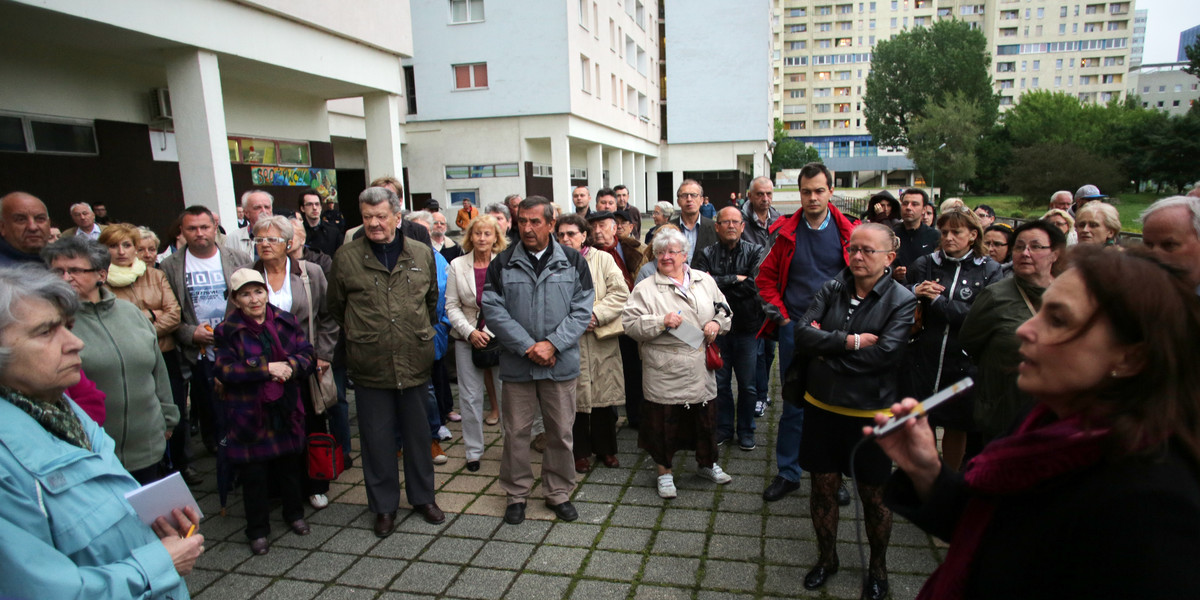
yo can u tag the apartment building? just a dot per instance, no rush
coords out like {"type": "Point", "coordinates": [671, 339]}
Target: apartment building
{"type": "Point", "coordinates": [1166, 87]}
{"type": "Point", "coordinates": [1137, 43]}
{"type": "Point", "coordinates": [150, 106]}
{"type": "Point", "coordinates": [825, 53]}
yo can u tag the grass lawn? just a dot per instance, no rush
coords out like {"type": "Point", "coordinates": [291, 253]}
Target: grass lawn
{"type": "Point", "coordinates": [1128, 205]}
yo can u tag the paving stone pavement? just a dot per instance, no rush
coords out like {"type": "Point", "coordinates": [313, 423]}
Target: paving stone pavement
{"type": "Point", "coordinates": [712, 542]}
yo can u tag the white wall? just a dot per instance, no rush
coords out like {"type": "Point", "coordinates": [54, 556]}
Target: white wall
{"type": "Point", "coordinates": [524, 45]}
{"type": "Point", "coordinates": [259, 111]}
{"type": "Point", "coordinates": [378, 23]}
{"type": "Point", "coordinates": [718, 70]}
{"type": "Point", "coordinates": [433, 146]}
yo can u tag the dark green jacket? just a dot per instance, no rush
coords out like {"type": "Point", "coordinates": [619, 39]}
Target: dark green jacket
{"type": "Point", "coordinates": [387, 317]}
{"type": "Point", "coordinates": [989, 336]}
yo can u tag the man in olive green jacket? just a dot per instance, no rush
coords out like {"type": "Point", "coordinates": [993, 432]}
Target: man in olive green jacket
{"type": "Point", "coordinates": [383, 293]}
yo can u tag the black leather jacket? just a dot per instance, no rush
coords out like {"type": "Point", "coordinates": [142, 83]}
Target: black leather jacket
{"type": "Point", "coordinates": [725, 264]}
{"type": "Point", "coordinates": [865, 379]}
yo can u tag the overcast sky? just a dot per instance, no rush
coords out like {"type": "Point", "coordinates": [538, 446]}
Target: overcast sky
{"type": "Point", "coordinates": [1166, 19]}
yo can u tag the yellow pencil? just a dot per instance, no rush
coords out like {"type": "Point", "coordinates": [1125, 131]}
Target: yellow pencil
{"type": "Point", "coordinates": [191, 531]}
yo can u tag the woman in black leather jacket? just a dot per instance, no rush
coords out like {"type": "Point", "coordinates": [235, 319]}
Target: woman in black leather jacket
{"type": "Point", "coordinates": [850, 343]}
{"type": "Point", "coordinates": [946, 283]}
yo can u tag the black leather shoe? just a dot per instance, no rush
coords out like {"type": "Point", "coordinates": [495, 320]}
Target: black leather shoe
{"type": "Point", "coordinates": [299, 527]}
{"type": "Point", "coordinates": [876, 589]}
{"type": "Point", "coordinates": [817, 577]}
{"type": "Point", "coordinates": [843, 496]}
{"type": "Point", "coordinates": [515, 513]}
{"type": "Point", "coordinates": [472, 465]}
{"type": "Point", "coordinates": [433, 515]}
{"type": "Point", "coordinates": [565, 511]}
{"type": "Point", "coordinates": [260, 546]}
{"type": "Point", "coordinates": [779, 488]}
{"type": "Point", "coordinates": [385, 524]}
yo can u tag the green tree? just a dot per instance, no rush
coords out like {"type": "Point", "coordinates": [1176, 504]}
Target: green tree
{"type": "Point", "coordinates": [1042, 169]}
{"type": "Point", "coordinates": [1172, 156]}
{"type": "Point", "coordinates": [1193, 58]}
{"type": "Point", "coordinates": [942, 142]}
{"type": "Point", "coordinates": [925, 66]}
{"type": "Point", "coordinates": [790, 153]}
{"type": "Point", "coordinates": [993, 156]}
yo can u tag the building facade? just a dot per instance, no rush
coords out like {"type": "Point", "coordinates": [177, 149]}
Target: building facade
{"type": "Point", "coordinates": [1167, 87]}
{"type": "Point", "coordinates": [1186, 38]}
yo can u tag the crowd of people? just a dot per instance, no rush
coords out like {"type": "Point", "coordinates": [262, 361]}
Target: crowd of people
{"type": "Point", "coordinates": [114, 355]}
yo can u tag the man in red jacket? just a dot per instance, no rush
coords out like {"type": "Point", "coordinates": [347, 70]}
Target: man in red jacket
{"type": "Point", "coordinates": [810, 249]}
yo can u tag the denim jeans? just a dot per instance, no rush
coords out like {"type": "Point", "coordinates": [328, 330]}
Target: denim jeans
{"type": "Point", "coordinates": [741, 360]}
{"type": "Point", "coordinates": [787, 440]}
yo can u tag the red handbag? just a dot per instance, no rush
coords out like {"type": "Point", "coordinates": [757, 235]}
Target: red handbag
{"type": "Point", "coordinates": [712, 357]}
{"type": "Point", "coordinates": [325, 460]}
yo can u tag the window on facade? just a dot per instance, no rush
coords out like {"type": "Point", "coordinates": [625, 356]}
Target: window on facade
{"type": "Point", "coordinates": [795, 93]}
{"type": "Point", "coordinates": [47, 135]}
{"type": "Point", "coordinates": [467, 77]}
{"type": "Point", "coordinates": [585, 70]}
{"type": "Point", "coordinates": [466, 11]}
{"type": "Point", "coordinates": [481, 171]}
{"type": "Point", "coordinates": [584, 14]}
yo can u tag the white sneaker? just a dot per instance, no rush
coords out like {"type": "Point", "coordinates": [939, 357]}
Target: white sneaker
{"type": "Point", "coordinates": [318, 501]}
{"type": "Point", "coordinates": [715, 474]}
{"type": "Point", "coordinates": [666, 486]}
{"type": "Point", "coordinates": [444, 434]}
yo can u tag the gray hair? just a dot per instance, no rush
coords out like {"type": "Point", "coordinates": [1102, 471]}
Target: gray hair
{"type": "Point", "coordinates": [148, 234]}
{"type": "Point", "coordinates": [758, 180]}
{"type": "Point", "coordinates": [72, 207]}
{"type": "Point", "coordinates": [665, 208]}
{"type": "Point", "coordinates": [1189, 202]}
{"type": "Point", "coordinates": [423, 216]}
{"type": "Point", "coordinates": [499, 209]}
{"type": "Point", "coordinates": [1108, 215]}
{"type": "Point", "coordinates": [374, 196]}
{"type": "Point", "coordinates": [77, 246]}
{"type": "Point", "coordinates": [888, 233]}
{"type": "Point", "coordinates": [246, 197]}
{"type": "Point", "coordinates": [278, 222]}
{"type": "Point", "coordinates": [663, 239]}
{"type": "Point", "coordinates": [32, 282]}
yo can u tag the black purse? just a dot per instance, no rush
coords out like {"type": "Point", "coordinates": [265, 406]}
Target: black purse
{"type": "Point", "coordinates": [487, 356]}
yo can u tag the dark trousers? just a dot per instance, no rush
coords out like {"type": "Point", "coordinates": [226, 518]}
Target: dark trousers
{"type": "Point", "coordinates": [178, 444]}
{"type": "Point", "coordinates": [740, 352]}
{"type": "Point", "coordinates": [381, 413]}
{"type": "Point", "coordinates": [281, 474]}
{"type": "Point", "coordinates": [441, 388]}
{"type": "Point", "coordinates": [339, 415]}
{"type": "Point", "coordinates": [147, 475]}
{"type": "Point", "coordinates": [313, 423]}
{"type": "Point", "coordinates": [631, 360]}
{"type": "Point", "coordinates": [595, 433]}
{"type": "Point", "coordinates": [202, 395]}
{"type": "Point", "coordinates": [766, 356]}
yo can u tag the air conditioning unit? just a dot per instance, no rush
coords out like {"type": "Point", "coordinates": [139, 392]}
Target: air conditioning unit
{"type": "Point", "coordinates": [160, 104]}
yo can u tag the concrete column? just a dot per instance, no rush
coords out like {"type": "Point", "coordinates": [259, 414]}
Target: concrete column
{"type": "Point", "coordinates": [760, 166]}
{"type": "Point", "coordinates": [630, 176]}
{"type": "Point", "coordinates": [595, 166]}
{"type": "Point", "coordinates": [676, 181]}
{"type": "Point", "coordinates": [638, 195]}
{"type": "Point", "coordinates": [616, 167]}
{"type": "Point", "coordinates": [560, 163]}
{"type": "Point", "coordinates": [384, 138]}
{"type": "Point", "coordinates": [194, 78]}
{"type": "Point", "coordinates": [651, 182]}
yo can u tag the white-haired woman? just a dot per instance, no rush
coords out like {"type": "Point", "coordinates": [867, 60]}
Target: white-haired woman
{"type": "Point", "coordinates": [298, 287]}
{"type": "Point", "coordinates": [483, 239]}
{"type": "Point", "coordinates": [680, 412]}
{"type": "Point", "coordinates": [663, 211]}
{"type": "Point", "coordinates": [68, 531]}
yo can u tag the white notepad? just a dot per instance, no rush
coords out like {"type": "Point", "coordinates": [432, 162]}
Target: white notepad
{"type": "Point", "coordinates": [158, 499]}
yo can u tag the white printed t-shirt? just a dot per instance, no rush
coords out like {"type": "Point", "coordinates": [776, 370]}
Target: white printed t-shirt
{"type": "Point", "coordinates": [205, 281]}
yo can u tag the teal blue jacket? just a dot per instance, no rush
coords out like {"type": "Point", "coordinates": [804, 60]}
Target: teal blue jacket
{"type": "Point", "coordinates": [66, 530]}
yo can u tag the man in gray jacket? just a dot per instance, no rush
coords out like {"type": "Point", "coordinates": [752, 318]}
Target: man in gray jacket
{"type": "Point", "coordinates": [537, 299]}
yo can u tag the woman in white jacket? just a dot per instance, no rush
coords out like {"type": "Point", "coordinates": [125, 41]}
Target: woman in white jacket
{"type": "Point", "coordinates": [482, 240]}
{"type": "Point", "coordinates": [680, 412]}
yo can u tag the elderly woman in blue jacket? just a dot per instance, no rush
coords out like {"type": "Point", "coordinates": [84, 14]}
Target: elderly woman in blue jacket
{"type": "Point", "coordinates": [67, 530]}
{"type": "Point", "coordinates": [849, 345]}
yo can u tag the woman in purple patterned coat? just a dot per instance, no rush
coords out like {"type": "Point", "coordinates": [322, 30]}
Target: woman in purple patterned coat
{"type": "Point", "coordinates": [262, 359]}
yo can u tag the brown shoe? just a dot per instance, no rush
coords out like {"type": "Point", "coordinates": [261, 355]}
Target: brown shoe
{"type": "Point", "coordinates": [582, 465]}
{"type": "Point", "coordinates": [439, 456]}
{"type": "Point", "coordinates": [299, 527]}
{"type": "Point", "coordinates": [433, 515]}
{"type": "Point", "coordinates": [539, 443]}
{"type": "Point", "coordinates": [385, 524]}
{"type": "Point", "coordinates": [610, 461]}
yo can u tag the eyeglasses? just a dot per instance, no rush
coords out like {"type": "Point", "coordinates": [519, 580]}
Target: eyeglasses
{"type": "Point", "coordinates": [671, 252]}
{"type": "Point", "coordinates": [729, 222]}
{"type": "Point", "coordinates": [687, 195]}
{"type": "Point", "coordinates": [995, 244]}
{"type": "Point", "coordinates": [269, 240]}
{"type": "Point", "coordinates": [72, 271]}
{"type": "Point", "coordinates": [1032, 248]}
{"type": "Point", "coordinates": [852, 250]}
{"type": "Point", "coordinates": [563, 234]}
